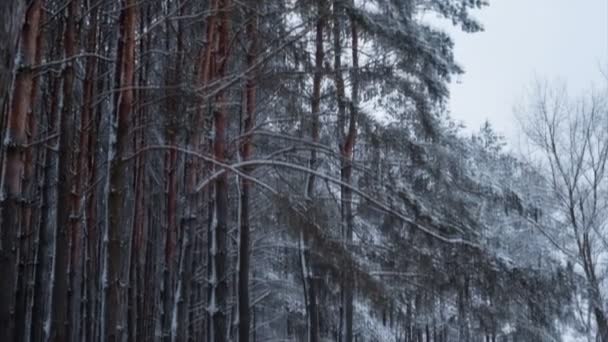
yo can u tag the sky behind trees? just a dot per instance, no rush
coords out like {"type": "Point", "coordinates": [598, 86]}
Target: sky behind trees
{"type": "Point", "coordinates": [523, 40]}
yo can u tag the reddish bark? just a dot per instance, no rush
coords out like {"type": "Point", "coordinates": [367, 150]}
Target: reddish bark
{"type": "Point", "coordinates": [219, 287]}
{"type": "Point", "coordinates": [30, 245]}
{"type": "Point", "coordinates": [15, 140]}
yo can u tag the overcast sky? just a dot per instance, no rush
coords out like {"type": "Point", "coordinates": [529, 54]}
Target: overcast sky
{"type": "Point", "coordinates": [524, 40]}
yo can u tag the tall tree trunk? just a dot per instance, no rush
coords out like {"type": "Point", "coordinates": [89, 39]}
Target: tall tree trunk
{"type": "Point", "coordinates": [347, 140]}
{"type": "Point", "coordinates": [13, 168]}
{"type": "Point", "coordinates": [171, 244]}
{"type": "Point", "coordinates": [246, 153]}
{"type": "Point", "coordinates": [85, 170]}
{"type": "Point", "coordinates": [31, 213]}
{"type": "Point", "coordinates": [144, 293]}
{"type": "Point", "coordinates": [206, 73]}
{"type": "Point", "coordinates": [78, 226]}
{"type": "Point", "coordinates": [218, 297]}
{"type": "Point", "coordinates": [138, 290]}
{"type": "Point", "coordinates": [41, 320]}
{"type": "Point", "coordinates": [181, 240]}
{"type": "Point", "coordinates": [347, 154]}
{"type": "Point", "coordinates": [200, 205]}
{"type": "Point", "coordinates": [118, 227]}
{"type": "Point", "coordinates": [304, 248]}
{"type": "Point", "coordinates": [62, 294]}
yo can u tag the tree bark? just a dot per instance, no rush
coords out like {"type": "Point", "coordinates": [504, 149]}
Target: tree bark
{"type": "Point", "coordinates": [31, 219]}
{"type": "Point", "coordinates": [66, 246]}
{"type": "Point", "coordinates": [171, 234]}
{"type": "Point", "coordinates": [43, 297]}
{"type": "Point", "coordinates": [13, 169]}
{"type": "Point", "coordinates": [304, 249]}
{"type": "Point", "coordinates": [85, 180]}
{"type": "Point", "coordinates": [347, 140]}
{"type": "Point", "coordinates": [218, 295]}
{"type": "Point", "coordinates": [246, 153]}
{"type": "Point", "coordinates": [11, 19]}
{"type": "Point", "coordinates": [118, 226]}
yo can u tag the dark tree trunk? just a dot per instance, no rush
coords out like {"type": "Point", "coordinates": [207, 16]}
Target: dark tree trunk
{"type": "Point", "coordinates": [11, 19]}
{"type": "Point", "coordinates": [602, 324]}
{"type": "Point", "coordinates": [118, 226]}
{"type": "Point", "coordinates": [246, 153]}
{"type": "Point", "coordinates": [85, 203]}
{"type": "Point", "coordinates": [346, 154]}
{"type": "Point", "coordinates": [218, 298]}
{"type": "Point", "coordinates": [33, 195]}
{"type": "Point", "coordinates": [41, 320]}
{"type": "Point", "coordinates": [305, 255]}
{"type": "Point", "coordinates": [171, 235]}
{"type": "Point", "coordinates": [67, 233]}
{"type": "Point", "coordinates": [13, 168]}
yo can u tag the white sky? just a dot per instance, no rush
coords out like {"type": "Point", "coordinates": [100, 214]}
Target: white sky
{"type": "Point", "coordinates": [525, 40]}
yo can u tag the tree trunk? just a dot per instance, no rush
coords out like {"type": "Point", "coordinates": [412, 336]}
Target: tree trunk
{"type": "Point", "coordinates": [118, 227]}
{"type": "Point", "coordinates": [218, 294]}
{"type": "Point", "coordinates": [179, 306]}
{"type": "Point", "coordinates": [171, 252]}
{"type": "Point", "coordinates": [83, 183]}
{"type": "Point", "coordinates": [305, 255]}
{"type": "Point", "coordinates": [246, 153]}
{"type": "Point", "coordinates": [198, 205]}
{"type": "Point", "coordinates": [94, 235]}
{"type": "Point", "coordinates": [13, 169]}
{"type": "Point", "coordinates": [31, 219]}
{"type": "Point", "coordinates": [66, 229]}
{"type": "Point", "coordinates": [43, 297]}
{"type": "Point", "coordinates": [602, 324]}
{"type": "Point", "coordinates": [347, 154]}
